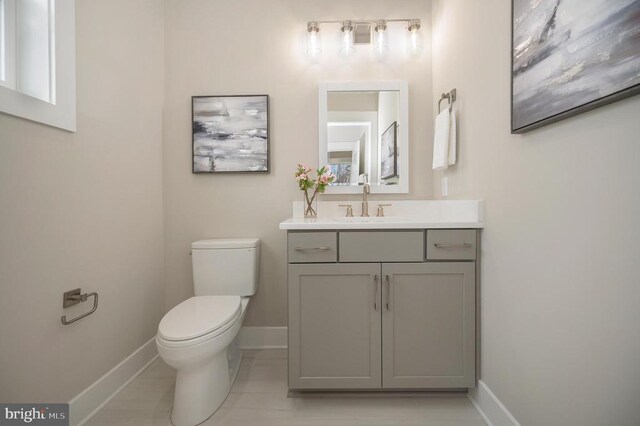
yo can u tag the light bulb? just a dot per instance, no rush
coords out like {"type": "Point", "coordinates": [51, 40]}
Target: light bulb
{"type": "Point", "coordinates": [380, 43]}
{"type": "Point", "coordinates": [314, 47]}
{"type": "Point", "coordinates": [414, 42]}
{"type": "Point", "coordinates": [346, 39]}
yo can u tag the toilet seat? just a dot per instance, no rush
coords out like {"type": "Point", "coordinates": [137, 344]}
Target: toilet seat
{"type": "Point", "coordinates": [199, 319]}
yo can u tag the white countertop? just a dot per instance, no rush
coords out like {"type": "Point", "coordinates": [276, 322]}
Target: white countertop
{"type": "Point", "coordinates": [403, 214]}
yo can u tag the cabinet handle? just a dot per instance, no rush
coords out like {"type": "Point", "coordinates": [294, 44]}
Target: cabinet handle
{"type": "Point", "coordinates": [440, 245]}
{"type": "Point", "coordinates": [375, 296]}
{"type": "Point", "coordinates": [313, 248]}
{"type": "Point", "coordinates": [388, 278]}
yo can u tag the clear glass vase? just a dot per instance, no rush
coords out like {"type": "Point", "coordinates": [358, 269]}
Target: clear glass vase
{"type": "Point", "coordinates": [310, 203]}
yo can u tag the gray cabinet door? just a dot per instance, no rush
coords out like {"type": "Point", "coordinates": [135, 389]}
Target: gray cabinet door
{"type": "Point", "coordinates": [428, 325]}
{"type": "Point", "coordinates": [334, 326]}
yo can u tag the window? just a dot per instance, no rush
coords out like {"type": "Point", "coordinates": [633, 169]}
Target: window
{"type": "Point", "coordinates": [7, 43]}
{"type": "Point", "coordinates": [37, 61]}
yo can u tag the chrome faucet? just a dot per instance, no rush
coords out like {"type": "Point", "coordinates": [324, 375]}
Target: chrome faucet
{"type": "Point", "coordinates": [366, 189]}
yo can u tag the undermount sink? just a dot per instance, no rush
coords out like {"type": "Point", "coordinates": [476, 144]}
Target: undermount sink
{"type": "Point", "coordinates": [374, 219]}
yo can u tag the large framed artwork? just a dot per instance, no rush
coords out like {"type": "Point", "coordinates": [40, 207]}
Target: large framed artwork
{"type": "Point", "coordinates": [389, 152]}
{"type": "Point", "coordinates": [570, 56]}
{"type": "Point", "coordinates": [230, 134]}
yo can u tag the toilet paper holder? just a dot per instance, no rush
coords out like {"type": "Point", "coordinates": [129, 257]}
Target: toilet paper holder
{"type": "Point", "coordinates": [73, 297]}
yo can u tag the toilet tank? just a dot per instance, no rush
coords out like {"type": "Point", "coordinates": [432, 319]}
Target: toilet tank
{"type": "Point", "coordinates": [225, 266]}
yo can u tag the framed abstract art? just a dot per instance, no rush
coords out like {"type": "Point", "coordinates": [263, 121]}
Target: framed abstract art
{"type": "Point", "coordinates": [230, 134]}
{"type": "Point", "coordinates": [570, 56]}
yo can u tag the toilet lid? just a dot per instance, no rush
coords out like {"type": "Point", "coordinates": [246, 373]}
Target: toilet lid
{"type": "Point", "coordinates": [198, 316]}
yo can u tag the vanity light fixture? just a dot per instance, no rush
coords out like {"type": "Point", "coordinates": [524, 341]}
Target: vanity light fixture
{"type": "Point", "coordinates": [346, 39]}
{"type": "Point", "coordinates": [414, 41]}
{"type": "Point", "coordinates": [364, 32]}
{"type": "Point", "coordinates": [380, 44]}
{"type": "Point", "coordinates": [314, 47]}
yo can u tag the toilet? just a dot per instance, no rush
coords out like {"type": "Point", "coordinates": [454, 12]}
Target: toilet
{"type": "Point", "coordinates": [197, 337]}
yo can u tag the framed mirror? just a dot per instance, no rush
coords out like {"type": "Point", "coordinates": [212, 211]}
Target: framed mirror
{"type": "Point", "coordinates": [363, 135]}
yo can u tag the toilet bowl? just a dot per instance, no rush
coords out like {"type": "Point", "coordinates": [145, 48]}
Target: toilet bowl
{"type": "Point", "coordinates": [197, 337]}
{"type": "Point", "coordinates": [200, 351]}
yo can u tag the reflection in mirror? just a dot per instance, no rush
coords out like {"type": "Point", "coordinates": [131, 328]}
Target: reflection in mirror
{"type": "Point", "coordinates": [356, 123]}
{"type": "Point", "coordinates": [360, 140]}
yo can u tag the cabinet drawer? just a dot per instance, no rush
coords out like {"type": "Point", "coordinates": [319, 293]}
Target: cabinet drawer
{"type": "Point", "coordinates": [381, 246]}
{"type": "Point", "coordinates": [312, 247]}
{"type": "Point", "coordinates": [451, 244]}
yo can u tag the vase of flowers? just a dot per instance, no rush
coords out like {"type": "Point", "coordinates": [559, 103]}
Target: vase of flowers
{"type": "Point", "coordinates": [312, 187]}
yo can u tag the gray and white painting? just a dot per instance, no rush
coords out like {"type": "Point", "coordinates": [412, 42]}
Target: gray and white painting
{"type": "Point", "coordinates": [230, 134]}
{"type": "Point", "coordinates": [389, 153]}
{"type": "Point", "coordinates": [570, 53]}
{"type": "Point", "coordinates": [342, 172]}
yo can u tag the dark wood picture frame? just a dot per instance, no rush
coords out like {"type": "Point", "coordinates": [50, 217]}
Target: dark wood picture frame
{"type": "Point", "coordinates": [206, 135]}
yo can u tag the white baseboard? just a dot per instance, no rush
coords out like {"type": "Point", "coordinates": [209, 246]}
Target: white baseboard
{"type": "Point", "coordinates": [262, 338]}
{"type": "Point", "coordinates": [492, 410]}
{"type": "Point", "coordinates": [84, 405]}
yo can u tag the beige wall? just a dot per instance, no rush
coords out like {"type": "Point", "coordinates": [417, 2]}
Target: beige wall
{"type": "Point", "coordinates": [560, 277]}
{"type": "Point", "coordinates": [256, 47]}
{"type": "Point", "coordinates": [352, 101]}
{"type": "Point", "coordinates": [85, 210]}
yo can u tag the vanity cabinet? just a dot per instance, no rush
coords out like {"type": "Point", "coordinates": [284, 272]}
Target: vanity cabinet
{"type": "Point", "coordinates": [334, 326]}
{"type": "Point", "coordinates": [428, 325]}
{"type": "Point", "coordinates": [389, 310]}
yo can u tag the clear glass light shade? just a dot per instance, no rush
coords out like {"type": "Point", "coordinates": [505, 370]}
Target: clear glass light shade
{"type": "Point", "coordinates": [314, 45]}
{"type": "Point", "coordinates": [414, 41]}
{"type": "Point", "coordinates": [346, 41]}
{"type": "Point", "coordinates": [380, 42]}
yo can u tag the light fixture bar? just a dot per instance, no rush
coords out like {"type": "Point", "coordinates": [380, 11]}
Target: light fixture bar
{"type": "Point", "coordinates": [367, 21]}
{"type": "Point", "coordinates": [364, 32]}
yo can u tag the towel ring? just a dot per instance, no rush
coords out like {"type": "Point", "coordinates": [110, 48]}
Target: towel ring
{"type": "Point", "coordinates": [450, 97]}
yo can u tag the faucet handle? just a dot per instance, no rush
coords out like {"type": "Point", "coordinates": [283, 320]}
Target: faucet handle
{"type": "Point", "coordinates": [381, 209]}
{"type": "Point", "coordinates": [349, 209]}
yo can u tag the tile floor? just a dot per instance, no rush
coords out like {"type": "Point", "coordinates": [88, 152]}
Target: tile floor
{"type": "Point", "coordinates": [259, 397]}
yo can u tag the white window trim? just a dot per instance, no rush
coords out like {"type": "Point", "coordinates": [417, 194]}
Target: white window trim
{"type": "Point", "coordinates": [8, 43]}
{"type": "Point", "coordinates": [62, 114]}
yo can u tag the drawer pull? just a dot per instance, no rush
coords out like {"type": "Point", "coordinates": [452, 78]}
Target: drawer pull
{"type": "Point", "coordinates": [324, 248]}
{"type": "Point", "coordinates": [440, 245]}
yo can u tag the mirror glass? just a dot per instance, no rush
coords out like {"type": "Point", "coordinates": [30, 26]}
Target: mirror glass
{"type": "Point", "coordinates": [362, 137]}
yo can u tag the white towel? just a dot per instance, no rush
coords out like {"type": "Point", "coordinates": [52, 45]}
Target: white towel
{"type": "Point", "coordinates": [452, 137]}
{"type": "Point", "coordinates": [444, 140]}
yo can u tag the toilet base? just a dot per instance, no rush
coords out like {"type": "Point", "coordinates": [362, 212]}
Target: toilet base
{"type": "Point", "coordinates": [234, 355]}
{"type": "Point", "coordinates": [205, 372]}
{"type": "Point", "coordinates": [200, 391]}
